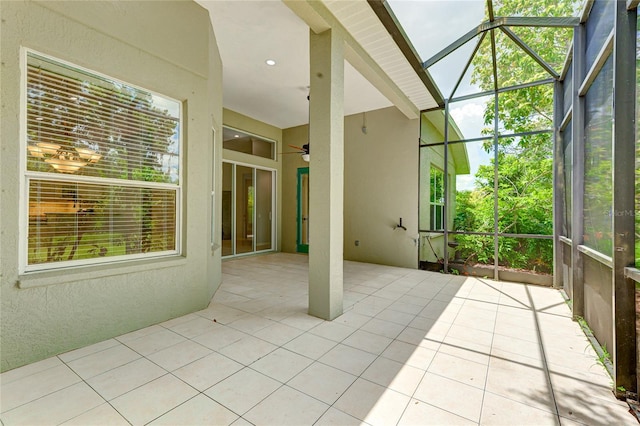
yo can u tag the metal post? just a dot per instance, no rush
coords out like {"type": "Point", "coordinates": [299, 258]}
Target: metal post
{"type": "Point", "coordinates": [445, 208]}
{"type": "Point", "coordinates": [496, 245]}
{"type": "Point", "coordinates": [577, 175]}
{"type": "Point", "coordinates": [624, 82]}
{"type": "Point", "coordinates": [558, 184]}
{"type": "Point", "coordinates": [496, 127]}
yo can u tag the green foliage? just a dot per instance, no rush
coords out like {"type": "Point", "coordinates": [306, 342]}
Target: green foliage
{"type": "Point", "coordinates": [524, 164]}
{"type": "Point", "coordinates": [604, 357]}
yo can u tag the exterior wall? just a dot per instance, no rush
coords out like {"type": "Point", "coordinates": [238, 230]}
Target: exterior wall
{"type": "Point", "coordinates": [434, 156]}
{"type": "Point", "coordinates": [258, 128]}
{"type": "Point", "coordinates": [381, 185]}
{"type": "Point", "coordinates": [46, 313]}
{"type": "Point", "coordinates": [430, 156]}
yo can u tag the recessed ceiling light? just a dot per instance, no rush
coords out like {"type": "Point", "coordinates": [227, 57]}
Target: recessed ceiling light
{"type": "Point", "coordinates": [270, 62]}
{"type": "Point", "coordinates": [236, 136]}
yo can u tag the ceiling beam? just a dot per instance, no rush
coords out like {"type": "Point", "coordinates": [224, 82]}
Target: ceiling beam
{"type": "Point", "coordinates": [539, 21]}
{"type": "Point", "coordinates": [460, 42]}
{"type": "Point", "coordinates": [468, 64]}
{"type": "Point", "coordinates": [515, 21]}
{"type": "Point", "coordinates": [319, 19]}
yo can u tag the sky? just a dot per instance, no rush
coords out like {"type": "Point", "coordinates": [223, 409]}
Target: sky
{"type": "Point", "coordinates": [447, 21]}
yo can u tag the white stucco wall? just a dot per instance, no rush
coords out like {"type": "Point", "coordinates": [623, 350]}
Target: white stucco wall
{"type": "Point", "coordinates": [380, 186]}
{"type": "Point", "coordinates": [166, 47]}
{"type": "Point", "coordinates": [434, 156]}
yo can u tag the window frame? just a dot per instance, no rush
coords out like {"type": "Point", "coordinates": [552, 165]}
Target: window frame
{"type": "Point", "coordinates": [433, 205]}
{"type": "Point", "coordinates": [273, 142]}
{"type": "Point", "coordinates": [274, 208]}
{"type": "Point", "coordinates": [26, 176]}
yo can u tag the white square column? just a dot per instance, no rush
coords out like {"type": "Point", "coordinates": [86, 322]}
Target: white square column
{"type": "Point", "coordinates": [326, 174]}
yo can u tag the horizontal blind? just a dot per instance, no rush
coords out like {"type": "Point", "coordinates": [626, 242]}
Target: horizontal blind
{"type": "Point", "coordinates": [74, 221]}
{"type": "Point", "coordinates": [103, 167]}
{"type": "Point", "coordinates": [86, 125]}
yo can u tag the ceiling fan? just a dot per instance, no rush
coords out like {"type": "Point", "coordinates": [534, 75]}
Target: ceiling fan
{"type": "Point", "coordinates": [304, 150]}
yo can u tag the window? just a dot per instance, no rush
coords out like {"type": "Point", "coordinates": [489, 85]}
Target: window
{"type": "Point", "coordinates": [102, 169]}
{"type": "Point", "coordinates": [236, 140]}
{"type": "Point", "coordinates": [436, 200]}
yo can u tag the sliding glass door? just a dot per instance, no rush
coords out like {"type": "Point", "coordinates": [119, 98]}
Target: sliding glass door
{"type": "Point", "coordinates": [247, 209]}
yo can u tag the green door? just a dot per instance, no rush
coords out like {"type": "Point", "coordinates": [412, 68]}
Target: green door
{"type": "Point", "coordinates": [303, 210]}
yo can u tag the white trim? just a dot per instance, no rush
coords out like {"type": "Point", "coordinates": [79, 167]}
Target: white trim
{"type": "Point", "coordinates": [67, 264]}
{"type": "Point", "coordinates": [27, 50]}
{"type": "Point", "coordinates": [273, 141]}
{"type": "Point", "coordinates": [233, 209]}
{"type": "Point", "coordinates": [62, 177]}
{"type": "Point", "coordinates": [92, 272]}
{"type": "Point", "coordinates": [26, 176]}
{"type": "Point", "coordinates": [274, 210]}
{"type": "Point", "coordinates": [23, 207]}
{"type": "Point", "coordinates": [213, 203]}
{"type": "Point", "coordinates": [433, 204]}
{"type": "Point", "coordinates": [254, 166]}
{"type": "Point", "coordinates": [254, 239]}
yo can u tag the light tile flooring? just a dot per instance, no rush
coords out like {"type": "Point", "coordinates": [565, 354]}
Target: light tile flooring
{"type": "Point", "coordinates": [412, 348]}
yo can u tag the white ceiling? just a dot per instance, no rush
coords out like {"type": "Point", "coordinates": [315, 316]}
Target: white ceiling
{"type": "Point", "coordinates": [250, 32]}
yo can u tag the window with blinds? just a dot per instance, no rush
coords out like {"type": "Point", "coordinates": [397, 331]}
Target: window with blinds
{"type": "Point", "coordinates": [103, 168]}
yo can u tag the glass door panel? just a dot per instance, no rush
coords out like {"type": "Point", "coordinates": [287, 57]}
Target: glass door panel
{"type": "Point", "coordinates": [247, 209]}
{"type": "Point", "coordinates": [245, 203]}
{"type": "Point", "coordinates": [263, 209]}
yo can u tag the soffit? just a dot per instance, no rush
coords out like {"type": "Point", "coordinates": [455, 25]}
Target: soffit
{"type": "Point", "coordinates": [249, 32]}
{"type": "Point", "coordinates": [361, 22]}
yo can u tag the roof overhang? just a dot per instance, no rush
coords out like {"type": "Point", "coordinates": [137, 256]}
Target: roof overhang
{"type": "Point", "coordinates": [458, 150]}
{"type": "Point", "coordinates": [377, 72]}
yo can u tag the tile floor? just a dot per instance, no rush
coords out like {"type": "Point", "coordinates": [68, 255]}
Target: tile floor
{"type": "Point", "coordinates": [412, 348]}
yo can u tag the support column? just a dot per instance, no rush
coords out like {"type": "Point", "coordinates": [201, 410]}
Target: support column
{"type": "Point", "coordinates": [624, 83]}
{"type": "Point", "coordinates": [577, 203]}
{"type": "Point", "coordinates": [326, 174]}
{"type": "Point", "coordinates": [558, 185]}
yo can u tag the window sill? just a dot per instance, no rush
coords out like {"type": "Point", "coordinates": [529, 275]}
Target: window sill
{"type": "Point", "coordinates": [83, 273]}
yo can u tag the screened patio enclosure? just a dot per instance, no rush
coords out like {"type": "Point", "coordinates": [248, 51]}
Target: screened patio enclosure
{"type": "Point", "coordinates": [541, 96]}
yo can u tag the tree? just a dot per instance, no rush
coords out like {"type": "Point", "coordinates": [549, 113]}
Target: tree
{"type": "Point", "coordinates": [525, 163]}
